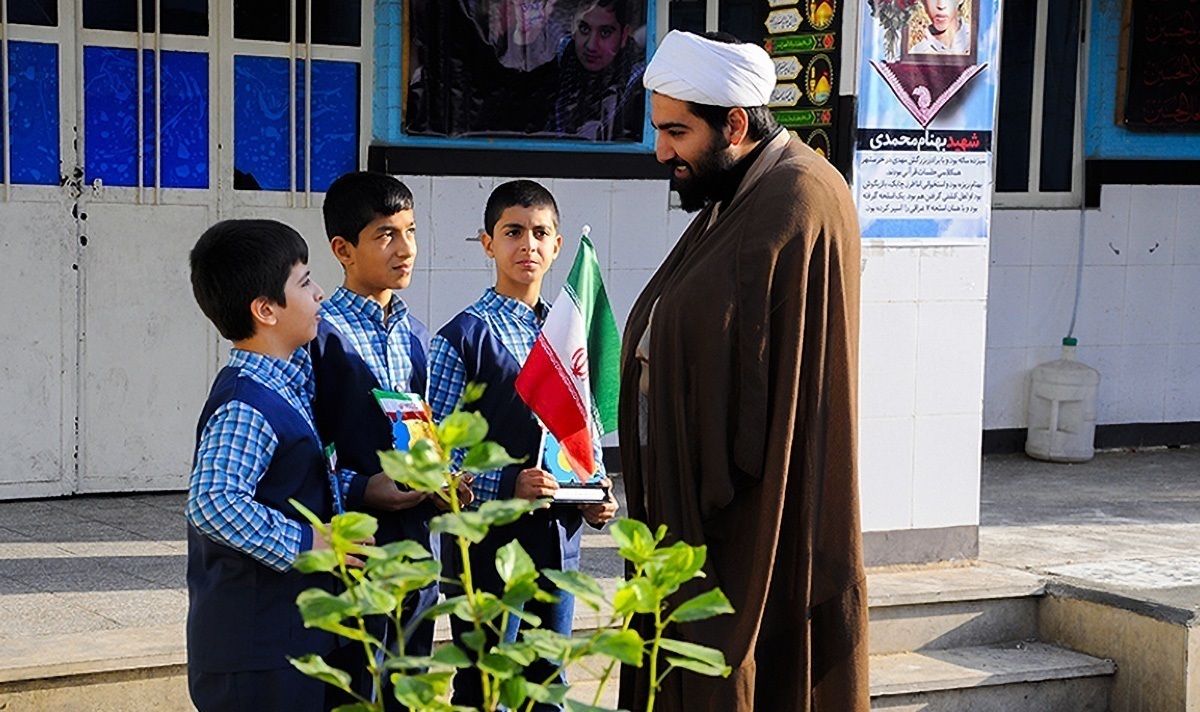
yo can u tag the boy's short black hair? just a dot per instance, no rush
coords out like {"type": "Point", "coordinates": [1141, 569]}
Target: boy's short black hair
{"type": "Point", "coordinates": [760, 121]}
{"type": "Point", "coordinates": [237, 261]}
{"type": "Point", "coordinates": [355, 199]}
{"type": "Point", "coordinates": [526, 193]}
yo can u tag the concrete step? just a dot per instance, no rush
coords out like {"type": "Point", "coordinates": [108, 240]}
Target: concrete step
{"type": "Point", "coordinates": [950, 607]}
{"type": "Point", "coordinates": [1026, 676]}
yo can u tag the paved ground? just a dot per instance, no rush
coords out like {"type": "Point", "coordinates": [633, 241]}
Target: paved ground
{"type": "Point", "coordinates": [1127, 521]}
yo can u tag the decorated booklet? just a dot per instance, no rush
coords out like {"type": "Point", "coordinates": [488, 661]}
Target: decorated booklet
{"type": "Point", "coordinates": [411, 418]}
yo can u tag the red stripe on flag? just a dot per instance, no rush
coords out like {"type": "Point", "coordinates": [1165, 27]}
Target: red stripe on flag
{"type": "Point", "coordinates": [547, 387]}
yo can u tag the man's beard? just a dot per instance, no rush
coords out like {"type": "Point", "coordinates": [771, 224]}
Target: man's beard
{"type": "Point", "coordinates": [706, 174]}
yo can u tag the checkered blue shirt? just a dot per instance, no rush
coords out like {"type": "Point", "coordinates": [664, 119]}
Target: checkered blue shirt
{"type": "Point", "coordinates": [383, 342]}
{"type": "Point", "coordinates": [236, 447]}
{"type": "Point", "coordinates": [517, 326]}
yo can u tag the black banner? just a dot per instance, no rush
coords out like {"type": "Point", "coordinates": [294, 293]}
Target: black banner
{"type": "Point", "coordinates": [1163, 76]}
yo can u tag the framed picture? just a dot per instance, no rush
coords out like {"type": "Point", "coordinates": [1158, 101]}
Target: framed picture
{"type": "Point", "coordinates": [942, 32]}
{"type": "Point", "coordinates": [560, 69]}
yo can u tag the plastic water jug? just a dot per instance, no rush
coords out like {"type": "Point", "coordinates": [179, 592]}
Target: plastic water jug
{"type": "Point", "coordinates": [1062, 409]}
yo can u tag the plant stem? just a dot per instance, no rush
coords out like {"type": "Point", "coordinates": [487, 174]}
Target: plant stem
{"type": "Point", "coordinates": [659, 626]}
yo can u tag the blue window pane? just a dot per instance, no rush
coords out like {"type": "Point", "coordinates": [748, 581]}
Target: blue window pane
{"type": "Point", "coordinates": [261, 141]}
{"type": "Point", "coordinates": [334, 121]}
{"type": "Point", "coordinates": [110, 130]}
{"type": "Point", "coordinates": [184, 93]}
{"type": "Point", "coordinates": [261, 127]}
{"type": "Point", "coordinates": [33, 112]}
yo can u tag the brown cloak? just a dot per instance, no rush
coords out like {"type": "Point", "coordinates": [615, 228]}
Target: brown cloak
{"type": "Point", "coordinates": [751, 439]}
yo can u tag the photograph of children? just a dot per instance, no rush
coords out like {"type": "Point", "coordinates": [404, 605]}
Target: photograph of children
{"type": "Point", "coordinates": [942, 32]}
{"type": "Point", "coordinates": [533, 68]}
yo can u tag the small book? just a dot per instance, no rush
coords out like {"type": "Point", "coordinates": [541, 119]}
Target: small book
{"type": "Point", "coordinates": [571, 489]}
{"type": "Point", "coordinates": [411, 416]}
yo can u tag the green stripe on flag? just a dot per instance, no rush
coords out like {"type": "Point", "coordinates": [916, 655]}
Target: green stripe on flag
{"type": "Point", "coordinates": [603, 342]}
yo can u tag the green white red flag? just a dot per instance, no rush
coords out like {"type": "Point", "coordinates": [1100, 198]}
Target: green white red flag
{"type": "Point", "coordinates": [572, 375]}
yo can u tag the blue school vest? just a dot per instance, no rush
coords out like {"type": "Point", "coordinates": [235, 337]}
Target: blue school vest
{"type": "Point", "coordinates": [551, 536]}
{"type": "Point", "coordinates": [242, 615]}
{"type": "Point", "coordinates": [348, 415]}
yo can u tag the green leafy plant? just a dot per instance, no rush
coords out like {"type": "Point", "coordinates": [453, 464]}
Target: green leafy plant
{"type": "Point", "coordinates": [393, 571]}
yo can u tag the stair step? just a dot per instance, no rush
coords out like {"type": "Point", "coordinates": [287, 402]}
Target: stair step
{"type": "Point", "coordinates": [950, 607]}
{"type": "Point", "coordinates": [980, 666]}
{"type": "Point", "coordinates": [911, 586]}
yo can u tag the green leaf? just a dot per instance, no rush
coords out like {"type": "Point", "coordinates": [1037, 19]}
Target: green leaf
{"type": "Point", "coordinates": [532, 620]}
{"type": "Point", "coordinates": [498, 666]}
{"type": "Point", "coordinates": [462, 429]}
{"type": "Point", "coordinates": [676, 564]}
{"type": "Point", "coordinates": [513, 693]}
{"type": "Point", "coordinates": [637, 595]}
{"type": "Point", "coordinates": [401, 467]}
{"type": "Point", "coordinates": [421, 691]}
{"type": "Point", "coordinates": [521, 653]}
{"type": "Point", "coordinates": [315, 666]}
{"type": "Point", "coordinates": [354, 526]}
{"type": "Point", "coordinates": [517, 594]}
{"type": "Point", "coordinates": [548, 644]}
{"type": "Point", "coordinates": [706, 605]}
{"type": "Point", "coordinates": [468, 525]}
{"type": "Point", "coordinates": [623, 645]}
{"type": "Point", "coordinates": [314, 560]}
{"type": "Point", "coordinates": [692, 651]}
{"type": "Point", "coordinates": [578, 584]}
{"type": "Point", "coordinates": [452, 656]}
{"type": "Point", "coordinates": [475, 640]}
{"type": "Point", "coordinates": [320, 608]}
{"type": "Point", "coordinates": [355, 707]}
{"type": "Point", "coordinates": [487, 456]}
{"type": "Point", "coordinates": [404, 663]}
{"type": "Point", "coordinates": [473, 392]}
{"type": "Point", "coordinates": [513, 564]}
{"type": "Point", "coordinates": [633, 539]}
{"type": "Point", "coordinates": [307, 514]}
{"type": "Point", "coordinates": [499, 512]}
{"type": "Point", "coordinates": [548, 694]}
{"type": "Point", "coordinates": [700, 667]}
{"type": "Point", "coordinates": [372, 599]}
{"type": "Point", "coordinates": [406, 549]}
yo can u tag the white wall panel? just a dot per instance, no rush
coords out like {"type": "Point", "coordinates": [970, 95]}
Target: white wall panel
{"type": "Point", "coordinates": [946, 471]}
{"type": "Point", "coordinates": [886, 472]}
{"type": "Point", "coordinates": [887, 360]}
{"type": "Point", "coordinates": [1152, 220]}
{"type": "Point", "coordinates": [37, 373]}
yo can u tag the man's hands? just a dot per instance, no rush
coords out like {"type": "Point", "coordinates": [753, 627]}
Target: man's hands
{"type": "Point", "coordinates": [599, 514]}
{"type": "Point", "coordinates": [533, 484]}
{"type": "Point", "coordinates": [351, 560]}
{"type": "Point", "coordinates": [383, 494]}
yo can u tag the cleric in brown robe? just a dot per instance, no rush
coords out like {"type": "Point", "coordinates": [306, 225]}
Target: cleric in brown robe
{"type": "Point", "coordinates": [739, 388]}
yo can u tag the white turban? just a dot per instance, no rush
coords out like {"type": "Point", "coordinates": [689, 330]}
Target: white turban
{"type": "Point", "coordinates": [691, 68]}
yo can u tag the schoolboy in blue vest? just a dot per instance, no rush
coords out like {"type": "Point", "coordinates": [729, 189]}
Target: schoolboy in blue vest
{"type": "Point", "coordinates": [487, 343]}
{"type": "Point", "coordinates": [257, 449]}
{"type": "Point", "coordinates": [368, 339]}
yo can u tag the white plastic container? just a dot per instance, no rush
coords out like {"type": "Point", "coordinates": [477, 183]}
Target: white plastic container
{"type": "Point", "coordinates": [1062, 409]}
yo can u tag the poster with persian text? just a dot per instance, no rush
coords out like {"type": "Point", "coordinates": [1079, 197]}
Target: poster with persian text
{"type": "Point", "coordinates": [927, 107]}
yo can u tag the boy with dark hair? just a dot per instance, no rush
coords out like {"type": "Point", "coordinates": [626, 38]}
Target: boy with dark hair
{"type": "Point", "coordinates": [368, 340]}
{"type": "Point", "coordinates": [487, 343]}
{"type": "Point", "coordinates": [257, 449]}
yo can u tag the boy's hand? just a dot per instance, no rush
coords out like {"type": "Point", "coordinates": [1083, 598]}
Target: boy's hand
{"type": "Point", "coordinates": [383, 494]}
{"type": "Point", "coordinates": [599, 514]}
{"type": "Point", "coordinates": [466, 495]}
{"type": "Point", "coordinates": [534, 484]}
{"type": "Point", "coordinates": [351, 560]}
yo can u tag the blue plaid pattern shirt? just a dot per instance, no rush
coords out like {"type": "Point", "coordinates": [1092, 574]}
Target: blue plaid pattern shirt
{"type": "Point", "coordinates": [517, 326]}
{"type": "Point", "coordinates": [236, 446]}
{"type": "Point", "coordinates": [384, 343]}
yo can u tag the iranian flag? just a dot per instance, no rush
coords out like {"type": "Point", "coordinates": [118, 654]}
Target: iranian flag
{"type": "Point", "coordinates": [571, 378]}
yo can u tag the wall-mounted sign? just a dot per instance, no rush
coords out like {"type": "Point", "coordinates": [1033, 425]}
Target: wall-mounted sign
{"type": "Point", "coordinates": [804, 49]}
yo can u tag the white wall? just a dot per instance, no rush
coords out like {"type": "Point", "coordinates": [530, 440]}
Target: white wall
{"type": "Point", "coordinates": [1139, 312]}
{"type": "Point", "coordinates": [921, 384]}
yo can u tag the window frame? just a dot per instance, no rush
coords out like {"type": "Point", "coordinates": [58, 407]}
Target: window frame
{"type": "Point", "coordinates": [1033, 197]}
{"type": "Point", "coordinates": [397, 140]}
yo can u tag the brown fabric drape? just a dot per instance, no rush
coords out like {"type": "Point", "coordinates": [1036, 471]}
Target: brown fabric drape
{"type": "Point", "coordinates": [751, 439]}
